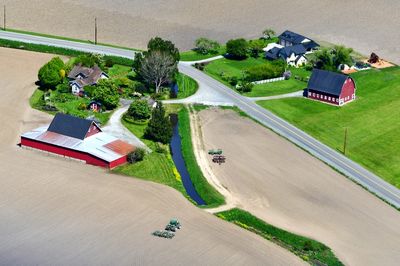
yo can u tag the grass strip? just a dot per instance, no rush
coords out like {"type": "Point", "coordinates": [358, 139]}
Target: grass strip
{"type": "Point", "coordinates": [59, 50]}
{"type": "Point", "coordinates": [309, 250]}
{"type": "Point", "coordinates": [207, 192]}
{"type": "Point", "coordinates": [186, 86]}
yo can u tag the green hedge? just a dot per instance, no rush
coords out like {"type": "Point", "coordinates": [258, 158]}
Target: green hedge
{"type": "Point", "coordinates": [308, 249]}
{"type": "Point", "coordinates": [207, 192]}
{"type": "Point", "coordinates": [59, 50]}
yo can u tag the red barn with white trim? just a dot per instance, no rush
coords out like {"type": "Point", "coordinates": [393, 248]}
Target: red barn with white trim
{"type": "Point", "coordinates": [331, 87]}
{"type": "Point", "coordinates": [80, 139]}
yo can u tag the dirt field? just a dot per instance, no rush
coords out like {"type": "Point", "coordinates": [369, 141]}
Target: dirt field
{"type": "Point", "coordinates": [55, 212]}
{"type": "Point", "coordinates": [287, 187]}
{"type": "Point", "coordinates": [358, 24]}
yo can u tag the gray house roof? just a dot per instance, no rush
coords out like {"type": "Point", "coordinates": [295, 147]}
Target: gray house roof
{"type": "Point", "coordinates": [83, 76]}
{"type": "Point", "coordinates": [296, 38]}
{"type": "Point", "coordinates": [285, 52]}
{"type": "Point", "coordinates": [327, 82]}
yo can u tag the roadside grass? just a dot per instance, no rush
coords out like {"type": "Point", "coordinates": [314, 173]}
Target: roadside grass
{"type": "Point", "coordinates": [231, 68]}
{"type": "Point", "coordinates": [371, 120]}
{"type": "Point", "coordinates": [276, 88]}
{"type": "Point", "coordinates": [207, 192]}
{"type": "Point", "coordinates": [187, 86]}
{"type": "Point", "coordinates": [58, 50]}
{"type": "Point", "coordinates": [311, 251]}
{"type": "Point", "coordinates": [192, 55]}
{"type": "Point", "coordinates": [67, 38]}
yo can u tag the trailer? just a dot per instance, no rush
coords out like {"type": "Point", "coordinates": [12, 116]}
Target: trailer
{"type": "Point", "coordinates": [215, 152]}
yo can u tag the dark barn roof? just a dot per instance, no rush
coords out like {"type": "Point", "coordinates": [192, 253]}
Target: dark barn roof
{"type": "Point", "coordinates": [327, 82]}
{"type": "Point", "coordinates": [291, 36]}
{"type": "Point", "coordinates": [70, 126]}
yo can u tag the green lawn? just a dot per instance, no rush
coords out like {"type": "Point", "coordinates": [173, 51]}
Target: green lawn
{"type": "Point", "coordinates": [192, 55]}
{"type": "Point", "coordinates": [187, 86]}
{"type": "Point", "coordinates": [117, 71]}
{"type": "Point", "coordinates": [156, 167]}
{"type": "Point", "coordinates": [234, 68]}
{"type": "Point", "coordinates": [307, 249]}
{"type": "Point", "coordinates": [372, 121]}
{"type": "Point", "coordinates": [276, 88]}
{"type": "Point", "coordinates": [207, 192]}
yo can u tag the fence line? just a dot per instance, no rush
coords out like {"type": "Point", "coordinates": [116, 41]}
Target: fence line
{"type": "Point", "coordinates": [268, 80]}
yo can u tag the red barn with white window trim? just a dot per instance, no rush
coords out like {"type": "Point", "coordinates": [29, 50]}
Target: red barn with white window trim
{"type": "Point", "coordinates": [331, 87]}
{"type": "Point", "coordinates": [80, 139]}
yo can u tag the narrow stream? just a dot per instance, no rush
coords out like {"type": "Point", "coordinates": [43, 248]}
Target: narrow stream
{"type": "Point", "coordinates": [180, 162]}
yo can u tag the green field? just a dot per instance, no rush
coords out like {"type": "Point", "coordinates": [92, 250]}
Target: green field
{"type": "Point", "coordinates": [372, 121]}
{"type": "Point", "coordinates": [307, 249]}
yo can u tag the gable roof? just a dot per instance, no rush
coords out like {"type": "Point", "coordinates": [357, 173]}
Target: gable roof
{"type": "Point", "coordinates": [297, 49]}
{"type": "Point", "coordinates": [88, 76]}
{"type": "Point", "coordinates": [291, 36]}
{"type": "Point", "coordinates": [327, 82]}
{"type": "Point", "coordinates": [70, 126]}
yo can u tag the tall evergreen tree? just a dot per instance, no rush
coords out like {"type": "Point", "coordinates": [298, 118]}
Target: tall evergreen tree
{"type": "Point", "coordinates": [159, 127]}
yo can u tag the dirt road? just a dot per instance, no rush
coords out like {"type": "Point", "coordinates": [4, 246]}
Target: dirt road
{"type": "Point", "coordinates": [55, 212]}
{"type": "Point", "coordinates": [285, 186]}
{"type": "Point", "coordinates": [361, 24]}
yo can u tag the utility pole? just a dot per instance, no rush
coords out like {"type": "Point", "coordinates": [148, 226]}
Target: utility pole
{"type": "Point", "coordinates": [345, 141]}
{"type": "Point", "coordinates": [4, 17]}
{"type": "Point", "coordinates": [95, 30]}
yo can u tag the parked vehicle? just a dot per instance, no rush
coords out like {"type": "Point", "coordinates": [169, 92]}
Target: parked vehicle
{"type": "Point", "coordinates": [215, 151]}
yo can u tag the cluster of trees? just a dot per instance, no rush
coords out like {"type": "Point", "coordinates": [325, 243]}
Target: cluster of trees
{"type": "Point", "coordinates": [52, 73]}
{"type": "Point", "coordinates": [158, 65]}
{"type": "Point", "coordinates": [206, 46]}
{"type": "Point", "coordinates": [331, 58]}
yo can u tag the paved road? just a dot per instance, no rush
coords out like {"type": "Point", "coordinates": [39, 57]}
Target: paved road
{"type": "Point", "coordinates": [115, 128]}
{"type": "Point", "coordinates": [300, 138]}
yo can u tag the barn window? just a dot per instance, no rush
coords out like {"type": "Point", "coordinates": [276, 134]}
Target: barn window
{"type": "Point", "coordinates": [325, 97]}
{"type": "Point", "coordinates": [329, 98]}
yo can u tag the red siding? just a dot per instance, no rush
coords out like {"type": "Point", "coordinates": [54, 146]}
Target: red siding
{"type": "Point", "coordinates": [348, 91]}
{"type": "Point", "coordinates": [92, 130]}
{"type": "Point", "coordinates": [88, 158]}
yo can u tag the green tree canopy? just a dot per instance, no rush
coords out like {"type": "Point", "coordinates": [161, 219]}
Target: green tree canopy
{"type": "Point", "coordinates": [89, 60]}
{"type": "Point", "coordinates": [206, 46]}
{"type": "Point", "coordinates": [139, 110]}
{"type": "Point", "coordinates": [158, 44]}
{"type": "Point", "coordinates": [268, 33]}
{"type": "Point", "coordinates": [237, 49]}
{"type": "Point", "coordinates": [51, 74]}
{"type": "Point", "coordinates": [159, 127]}
{"type": "Point", "coordinates": [256, 47]}
{"type": "Point", "coordinates": [106, 93]}
{"type": "Point", "coordinates": [331, 58]}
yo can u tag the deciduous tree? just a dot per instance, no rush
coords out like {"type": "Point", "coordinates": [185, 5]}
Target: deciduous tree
{"type": "Point", "coordinates": [51, 74]}
{"type": "Point", "coordinates": [158, 68]}
{"type": "Point", "coordinates": [269, 33]}
{"type": "Point", "coordinates": [139, 110]}
{"type": "Point", "coordinates": [106, 92]}
{"type": "Point", "coordinates": [206, 46]}
{"type": "Point", "coordinates": [237, 49]}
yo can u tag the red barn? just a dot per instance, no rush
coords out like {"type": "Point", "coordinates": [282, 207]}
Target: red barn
{"type": "Point", "coordinates": [80, 139]}
{"type": "Point", "coordinates": [331, 87]}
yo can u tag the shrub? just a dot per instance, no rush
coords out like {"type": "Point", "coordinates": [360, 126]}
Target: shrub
{"type": "Point", "coordinates": [206, 46]}
{"type": "Point", "coordinates": [161, 148]}
{"type": "Point", "coordinates": [139, 110]}
{"type": "Point", "coordinates": [63, 87]}
{"type": "Point", "coordinates": [287, 74]}
{"type": "Point", "coordinates": [265, 71]}
{"type": "Point", "coordinates": [245, 86]}
{"type": "Point", "coordinates": [237, 49]}
{"type": "Point", "coordinates": [82, 106]}
{"type": "Point", "coordinates": [89, 60]}
{"type": "Point", "coordinates": [50, 75]}
{"type": "Point", "coordinates": [233, 80]}
{"type": "Point", "coordinates": [136, 156]}
{"type": "Point", "coordinates": [89, 90]}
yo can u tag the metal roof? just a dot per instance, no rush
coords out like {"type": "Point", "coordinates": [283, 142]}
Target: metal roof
{"type": "Point", "coordinates": [327, 81]}
{"type": "Point", "coordinates": [100, 145]}
{"type": "Point", "coordinates": [70, 126]}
